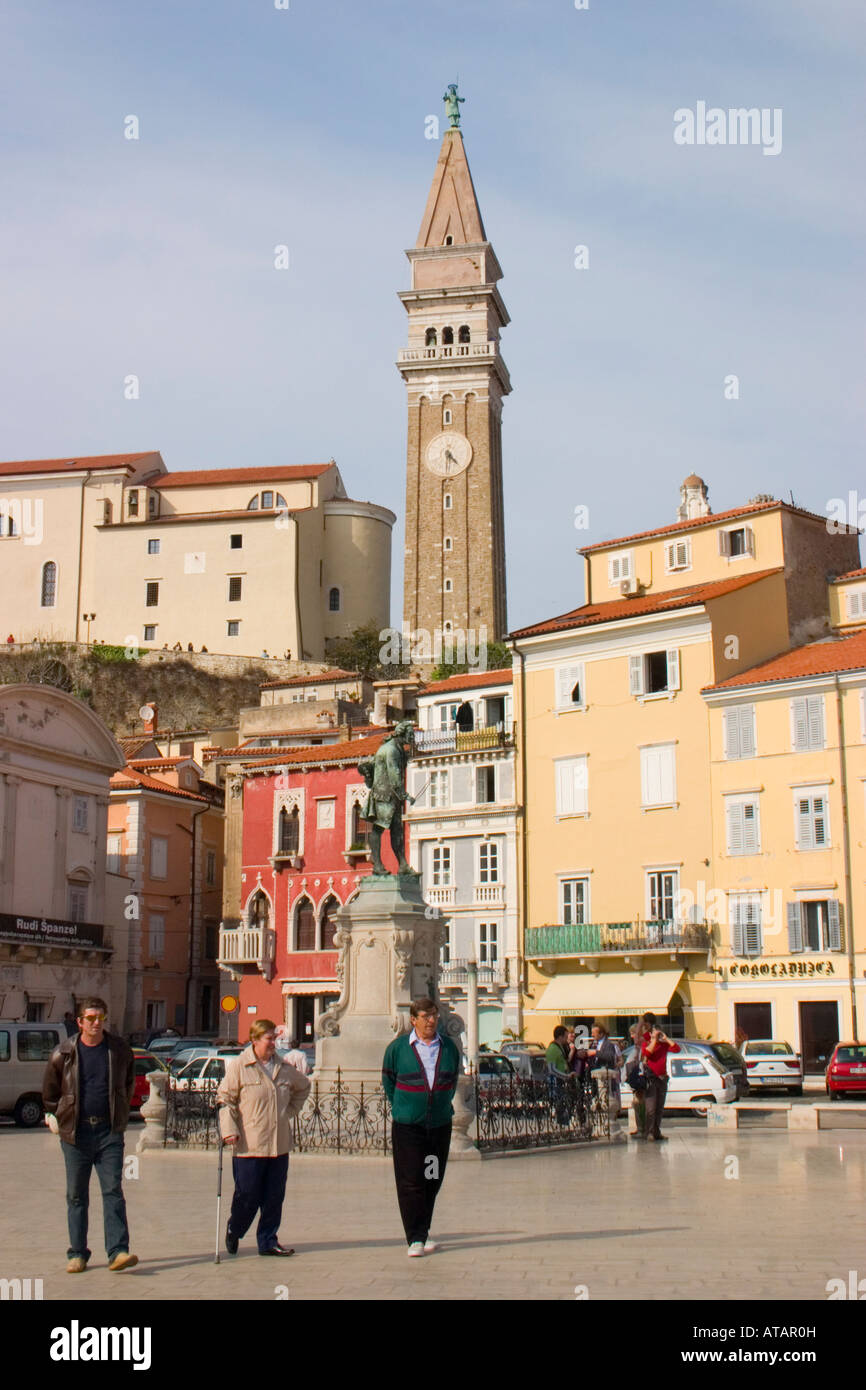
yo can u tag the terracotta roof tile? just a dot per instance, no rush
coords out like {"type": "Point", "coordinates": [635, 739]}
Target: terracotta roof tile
{"type": "Point", "coordinates": [815, 659]}
{"type": "Point", "coordinates": [470, 681]}
{"type": "Point", "coordinates": [75, 465]}
{"type": "Point", "coordinates": [131, 780]}
{"type": "Point", "coordinates": [617, 609]}
{"type": "Point", "coordinates": [350, 753]}
{"type": "Point", "coordinates": [333, 673]}
{"type": "Point", "coordinates": [851, 574]}
{"type": "Point", "coordinates": [695, 523]}
{"type": "Point", "coordinates": [199, 477]}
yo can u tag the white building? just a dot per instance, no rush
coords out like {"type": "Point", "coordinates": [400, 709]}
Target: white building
{"type": "Point", "coordinates": [463, 838]}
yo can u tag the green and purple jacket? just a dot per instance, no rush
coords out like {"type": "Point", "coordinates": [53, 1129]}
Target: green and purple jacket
{"type": "Point", "coordinates": [413, 1101]}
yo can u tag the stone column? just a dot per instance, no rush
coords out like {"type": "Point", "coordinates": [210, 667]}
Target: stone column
{"type": "Point", "coordinates": [61, 851]}
{"type": "Point", "coordinates": [472, 1013]}
{"type": "Point", "coordinates": [7, 839]}
{"type": "Point", "coordinates": [98, 904]}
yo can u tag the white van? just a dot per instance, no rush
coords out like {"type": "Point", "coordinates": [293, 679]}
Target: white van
{"type": "Point", "coordinates": [24, 1050]}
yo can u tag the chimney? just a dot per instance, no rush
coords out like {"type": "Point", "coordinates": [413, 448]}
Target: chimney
{"type": "Point", "coordinates": [149, 714]}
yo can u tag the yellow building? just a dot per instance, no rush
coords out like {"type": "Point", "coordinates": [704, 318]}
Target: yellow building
{"type": "Point", "coordinates": [615, 766]}
{"type": "Point", "coordinates": [236, 560]}
{"type": "Point", "coordinates": [788, 769]}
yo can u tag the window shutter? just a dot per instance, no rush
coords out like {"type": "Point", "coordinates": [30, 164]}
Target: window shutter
{"type": "Point", "coordinates": [737, 929]}
{"type": "Point", "coordinates": [753, 933]}
{"type": "Point", "coordinates": [506, 781]}
{"type": "Point", "coordinates": [635, 675]}
{"type": "Point", "coordinates": [567, 677]}
{"type": "Point", "coordinates": [564, 789]}
{"type": "Point", "coordinates": [651, 776]}
{"type": "Point", "coordinates": [834, 921]}
{"type": "Point", "coordinates": [795, 927]}
{"type": "Point", "coordinates": [667, 776]}
{"type": "Point", "coordinates": [724, 542]}
{"type": "Point", "coordinates": [673, 669]}
{"type": "Point", "coordinates": [671, 556]}
{"type": "Point", "coordinates": [800, 720]}
{"type": "Point", "coordinates": [581, 788]}
{"type": "Point", "coordinates": [732, 732]}
{"type": "Point", "coordinates": [815, 708]}
{"type": "Point", "coordinates": [747, 731]}
{"type": "Point", "coordinates": [735, 827]}
{"type": "Point", "coordinates": [419, 794]}
{"type": "Point", "coordinates": [819, 821]}
{"type": "Point", "coordinates": [682, 554]}
{"type": "Point", "coordinates": [750, 828]}
{"type": "Point", "coordinates": [750, 540]}
{"type": "Point", "coordinates": [804, 824]}
{"type": "Point", "coordinates": [461, 785]}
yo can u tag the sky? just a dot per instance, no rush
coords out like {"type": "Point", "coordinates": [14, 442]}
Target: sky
{"type": "Point", "coordinates": [307, 127]}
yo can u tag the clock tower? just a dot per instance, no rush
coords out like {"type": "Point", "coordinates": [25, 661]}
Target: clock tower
{"type": "Point", "coordinates": [456, 380]}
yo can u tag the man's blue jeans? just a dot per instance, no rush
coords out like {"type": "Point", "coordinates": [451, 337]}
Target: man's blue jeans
{"type": "Point", "coordinates": [95, 1146]}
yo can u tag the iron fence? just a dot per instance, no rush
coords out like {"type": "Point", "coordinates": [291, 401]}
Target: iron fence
{"type": "Point", "coordinates": [191, 1115]}
{"type": "Point", "coordinates": [527, 1113]}
{"type": "Point", "coordinates": [338, 1118]}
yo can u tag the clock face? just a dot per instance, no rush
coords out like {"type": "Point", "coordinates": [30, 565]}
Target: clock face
{"type": "Point", "coordinates": [448, 454]}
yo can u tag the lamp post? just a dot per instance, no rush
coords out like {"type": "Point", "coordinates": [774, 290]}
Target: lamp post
{"type": "Point", "coordinates": [88, 618]}
{"type": "Point", "coordinates": [472, 1013]}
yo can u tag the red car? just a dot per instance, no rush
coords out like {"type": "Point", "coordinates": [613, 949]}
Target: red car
{"type": "Point", "coordinates": [144, 1062]}
{"type": "Point", "coordinates": [846, 1070]}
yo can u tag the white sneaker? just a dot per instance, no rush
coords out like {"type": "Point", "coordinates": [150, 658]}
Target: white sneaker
{"type": "Point", "coordinates": [430, 1246]}
{"type": "Point", "coordinates": [416, 1249]}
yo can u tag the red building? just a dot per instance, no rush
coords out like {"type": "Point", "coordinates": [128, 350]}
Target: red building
{"type": "Point", "coordinates": [304, 852]}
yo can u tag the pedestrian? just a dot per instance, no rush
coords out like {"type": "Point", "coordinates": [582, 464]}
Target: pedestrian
{"type": "Point", "coordinates": [638, 1102]}
{"type": "Point", "coordinates": [557, 1054]}
{"type": "Point", "coordinates": [654, 1050]}
{"type": "Point", "coordinates": [419, 1076]}
{"type": "Point", "coordinates": [260, 1095]}
{"type": "Point", "coordinates": [86, 1091]}
{"type": "Point", "coordinates": [10, 640]}
{"type": "Point", "coordinates": [69, 1024]}
{"type": "Point", "coordinates": [604, 1053]}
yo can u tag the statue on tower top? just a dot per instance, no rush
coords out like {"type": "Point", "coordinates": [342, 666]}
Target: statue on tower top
{"type": "Point", "coordinates": [452, 105]}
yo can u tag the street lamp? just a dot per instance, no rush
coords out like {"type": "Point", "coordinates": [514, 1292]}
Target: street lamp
{"type": "Point", "coordinates": [88, 618]}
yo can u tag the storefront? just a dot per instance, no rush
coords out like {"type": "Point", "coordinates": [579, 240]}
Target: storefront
{"type": "Point", "coordinates": [804, 1002]}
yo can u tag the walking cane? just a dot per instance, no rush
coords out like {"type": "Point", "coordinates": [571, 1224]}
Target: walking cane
{"type": "Point", "coordinates": [220, 1146]}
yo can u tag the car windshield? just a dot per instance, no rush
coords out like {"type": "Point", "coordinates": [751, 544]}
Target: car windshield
{"type": "Point", "coordinates": [851, 1054]}
{"type": "Point", "coordinates": [191, 1069]}
{"type": "Point", "coordinates": [726, 1053]}
{"type": "Point", "coordinates": [766, 1048]}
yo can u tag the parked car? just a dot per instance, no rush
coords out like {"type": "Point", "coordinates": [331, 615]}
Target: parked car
{"type": "Point", "coordinates": [493, 1067]}
{"type": "Point", "coordinates": [527, 1062]}
{"type": "Point", "coordinates": [24, 1050]}
{"type": "Point", "coordinates": [144, 1062]}
{"type": "Point", "coordinates": [202, 1073]}
{"type": "Point", "coordinates": [773, 1064]}
{"type": "Point", "coordinates": [179, 1059]}
{"type": "Point", "coordinates": [508, 1047]}
{"type": "Point", "coordinates": [846, 1070]}
{"type": "Point", "coordinates": [695, 1081]}
{"type": "Point", "coordinates": [727, 1056]}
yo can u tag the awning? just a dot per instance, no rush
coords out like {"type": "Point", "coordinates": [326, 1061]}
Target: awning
{"type": "Point", "coordinates": [310, 987]}
{"type": "Point", "coordinates": [613, 992]}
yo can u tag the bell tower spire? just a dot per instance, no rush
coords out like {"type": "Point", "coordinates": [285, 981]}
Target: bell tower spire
{"type": "Point", "coordinates": [456, 380]}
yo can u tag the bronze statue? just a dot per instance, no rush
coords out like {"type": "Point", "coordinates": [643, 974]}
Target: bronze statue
{"type": "Point", "coordinates": [385, 775]}
{"type": "Point", "coordinates": [452, 105]}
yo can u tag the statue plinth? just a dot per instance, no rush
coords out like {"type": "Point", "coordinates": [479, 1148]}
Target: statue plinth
{"type": "Point", "coordinates": [389, 942]}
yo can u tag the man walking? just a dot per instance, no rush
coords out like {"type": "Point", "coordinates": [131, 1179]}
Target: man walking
{"type": "Point", "coordinates": [86, 1091]}
{"type": "Point", "coordinates": [419, 1075]}
{"type": "Point", "coordinates": [260, 1094]}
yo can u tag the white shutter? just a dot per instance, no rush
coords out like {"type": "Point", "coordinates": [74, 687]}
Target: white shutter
{"type": "Point", "coordinates": [819, 821]}
{"type": "Point", "coordinates": [421, 779]}
{"type": "Point", "coordinates": [650, 773]}
{"type": "Point", "coordinates": [750, 828]}
{"type": "Point", "coordinates": [750, 540]}
{"type": "Point", "coordinates": [804, 823]}
{"type": "Point", "coordinates": [800, 725]}
{"type": "Point", "coordinates": [682, 554]}
{"type": "Point", "coordinates": [461, 785]}
{"type": "Point", "coordinates": [671, 552]}
{"type": "Point", "coordinates": [724, 542]}
{"type": "Point", "coordinates": [815, 710]}
{"type": "Point", "coordinates": [567, 677]}
{"type": "Point", "coordinates": [735, 827]}
{"type": "Point", "coordinates": [581, 787]}
{"type": "Point", "coordinates": [834, 922]}
{"type": "Point", "coordinates": [795, 927]}
{"type": "Point", "coordinates": [731, 720]}
{"type": "Point", "coordinates": [747, 731]}
{"type": "Point", "coordinates": [753, 932]}
{"type": "Point", "coordinates": [667, 776]}
{"type": "Point", "coordinates": [736, 927]}
{"type": "Point", "coordinates": [506, 781]}
{"type": "Point", "coordinates": [673, 669]}
{"type": "Point", "coordinates": [564, 789]}
{"type": "Point", "coordinates": [635, 675]}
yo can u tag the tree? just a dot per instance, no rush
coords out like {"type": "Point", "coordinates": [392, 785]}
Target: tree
{"type": "Point", "coordinates": [499, 658]}
{"type": "Point", "coordinates": [361, 652]}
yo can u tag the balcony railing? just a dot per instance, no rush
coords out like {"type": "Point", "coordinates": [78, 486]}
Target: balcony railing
{"type": "Point", "coordinates": [438, 351]}
{"type": "Point", "coordinates": [247, 946]}
{"type": "Point", "coordinates": [435, 741]}
{"type": "Point", "coordinates": [442, 897]}
{"type": "Point", "coordinates": [489, 892]}
{"type": "Point", "coordinates": [615, 938]}
{"type": "Point", "coordinates": [455, 974]}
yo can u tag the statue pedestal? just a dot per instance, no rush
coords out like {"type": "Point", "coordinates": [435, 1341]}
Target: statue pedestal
{"type": "Point", "coordinates": [389, 943]}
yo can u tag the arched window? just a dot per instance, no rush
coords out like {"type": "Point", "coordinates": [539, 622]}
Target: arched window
{"type": "Point", "coordinates": [463, 333]}
{"type": "Point", "coordinates": [447, 543]}
{"type": "Point", "coordinates": [448, 586]}
{"type": "Point", "coordinates": [253, 504]}
{"type": "Point", "coordinates": [334, 601]}
{"type": "Point", "coordinates": [259, 910]}
{"type": "Point", "coordinates": [290, 831]}
{"type": "Point", "coordinates": [281, 501]}
{"type": "Point", "coordinates": [446, 502]}
{"type": "Point", "coordinates": [360, 828]}
{"type": "Point", "coordinates": [447, 336]}
{"type": "Point", "coordinates": [449, 240]}
{"type": "Point", "coordinates": [305, 926]}
{"type": "Point", "coordinates": [329, 923]}
{"type": "Point", "coordinates": [49, 584]}
{"type": "Point", "coordinates": [430, 338]}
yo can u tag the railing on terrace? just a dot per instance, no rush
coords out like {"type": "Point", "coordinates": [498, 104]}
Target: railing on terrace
{"type": "Point", "coordinates": [604, 938]}
{"type": "Point", "coordinates": [455, 973]}
{"type": "Point", "coordinates": [246, 945]}
{"type": "Point", "coordinates": [437, 350]}
{"type": "Point", "coordinates": [436, 741]}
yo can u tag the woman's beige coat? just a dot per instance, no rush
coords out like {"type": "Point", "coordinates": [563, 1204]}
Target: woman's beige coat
{"type": "Point", "coordinates": [257, 1109]}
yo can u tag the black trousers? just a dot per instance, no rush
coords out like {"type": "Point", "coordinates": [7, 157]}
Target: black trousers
{"type": "Point", "coordinates": [420, 1156]}
{"type": "Point", "coordinates": [260, 1185]}
{"type": "Point", "coordinates": [655, 1096]}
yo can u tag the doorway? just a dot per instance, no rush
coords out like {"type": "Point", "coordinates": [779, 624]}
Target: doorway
{"type": "Point", "coordinates": [819, 1034]}
{"type": "Point", "coordinates": [306, 1017]}
{"type": "Point", "coordinates": [752, 1021]}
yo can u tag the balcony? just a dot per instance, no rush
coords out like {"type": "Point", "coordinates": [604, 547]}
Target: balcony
{"type": "Point", "coordinates": [441, 352]}
{"type": "Point", "coordinates": [486, 893]}
{"type": "Point", "coordinates": [247, 946]}
{"type": "Point", "coordinates": [455, 975]}
{"type": "Point", "coordinates": [616, 939]}
{"type": "Point", "coordinates": [442, 897]}
{"type": "Point", "coordinates": [433, 742]}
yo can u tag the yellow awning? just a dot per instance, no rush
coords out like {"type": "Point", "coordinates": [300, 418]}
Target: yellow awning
{"type": "Point", "coordinates": [610, 993]}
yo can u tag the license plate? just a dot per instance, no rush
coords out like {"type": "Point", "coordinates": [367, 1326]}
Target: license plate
{"type": "Point", "coordinates": [858, 1071]}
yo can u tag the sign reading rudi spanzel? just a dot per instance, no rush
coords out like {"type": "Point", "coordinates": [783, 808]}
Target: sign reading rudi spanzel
{"type": "Point", "coordinates": [44, 931]}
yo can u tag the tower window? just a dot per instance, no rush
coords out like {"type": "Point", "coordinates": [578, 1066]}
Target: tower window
{"type": "Point", "coordinates": [446, 417]}
{"type": "Point", "coordinates": [334, 601]}
{"type": "Point", "coordinates": [236, 542]}
{"type": "Point", "coordinates": [446, 502]}
{"type": "Point", "coordinates": [49, 584]}
{"type": "Point", "coordinates": [235, 588]}
{"type": "Point", "coordinates": [447, 336]}
{"type": "Point", "coordinates": [463, 333]}
{"type": "Point", "coordinates": [447, 544]}
{"type": "Point", "coordinates": [449, 586]}
{"type": "Point", "coordinates": [430, 339]}
{"type": "Point", "coordinates": [132, 502]}
{"type": "Point", "coordinates": [449, 240]}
